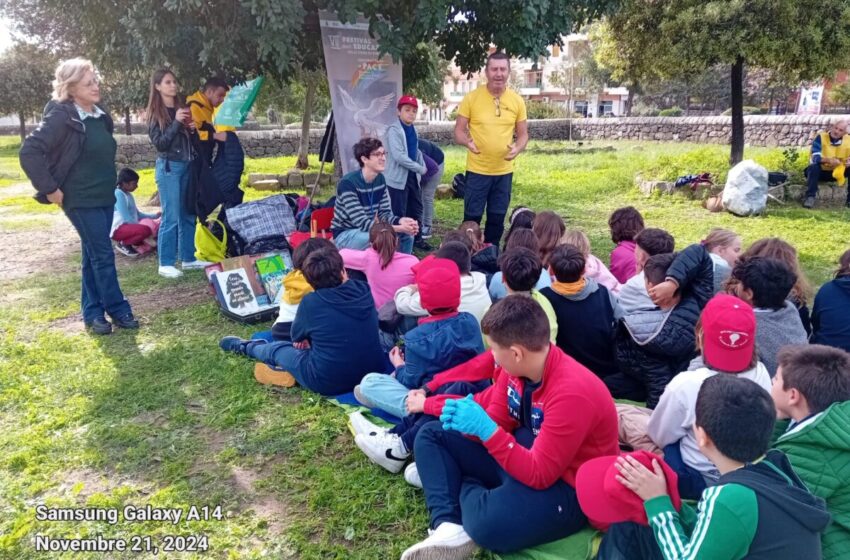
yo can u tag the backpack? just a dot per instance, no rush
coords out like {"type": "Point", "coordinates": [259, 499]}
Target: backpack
{"type": "Point", "coordinates": [459, 185]}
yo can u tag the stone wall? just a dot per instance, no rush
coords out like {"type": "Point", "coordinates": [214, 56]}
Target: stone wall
{"type": "Point", "coordinates": [761, 130]}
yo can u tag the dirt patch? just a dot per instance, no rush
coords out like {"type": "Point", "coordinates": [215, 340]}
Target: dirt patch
{"type": "Point", "coordinates": [85, 482]}
{"type": "Point", "coordinates": [145, 305]}
{"type": "Point", "coordinates": [265, 506]}
{"type": "Point", "coordinates": [32, 251]}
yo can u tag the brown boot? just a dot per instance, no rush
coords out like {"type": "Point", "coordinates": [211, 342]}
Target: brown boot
{"type": "Point", "coordinates": [268, 376]}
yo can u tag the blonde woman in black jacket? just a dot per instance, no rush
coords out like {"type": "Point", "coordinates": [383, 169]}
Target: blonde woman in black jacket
{"type": "Point", "coordinates": [70, 160]}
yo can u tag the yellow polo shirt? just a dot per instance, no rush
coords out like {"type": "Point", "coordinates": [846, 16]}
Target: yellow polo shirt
{"type": "Point", "coordinates": [491, 129]}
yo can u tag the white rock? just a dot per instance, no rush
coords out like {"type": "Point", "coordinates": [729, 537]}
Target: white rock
{"type": "Point", "coordinates": [745, 193]}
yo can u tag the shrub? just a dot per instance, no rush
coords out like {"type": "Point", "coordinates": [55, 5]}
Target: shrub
{"type": "Point", "coordinates": [452, 116]}
{"type": "Point", "coordinates": [544, 110]}
{"type": "Point", "coordinates": [747, 111]}
{"type": "Point", "coordinates": [671, 112]}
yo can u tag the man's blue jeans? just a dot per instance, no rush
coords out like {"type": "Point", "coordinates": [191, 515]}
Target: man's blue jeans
{"type": "Point", "coordinates": [177, 230]}
{"type": "Point", "coordinates": [100, 290]}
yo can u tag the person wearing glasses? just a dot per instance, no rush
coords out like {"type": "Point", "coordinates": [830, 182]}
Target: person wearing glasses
{"type": "Point", "coordinates": [70, 160]}
{"type": "Point", "coordinates": [488, 118]}
{"type": "Point", "coordinates": [362, 199]}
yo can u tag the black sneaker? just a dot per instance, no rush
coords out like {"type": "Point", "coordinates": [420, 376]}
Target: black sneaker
{"type": "Point", "coordinates": [126, 250]}
{"type": "Point", "coordinates": [234, 344]}
{"type": "Point", "coordinates": [809, 202]}
{"type": "Point", "coordinates": [422, 245]}
{"type": "Point", "coordinates": [99, 326]}
{"type": "Point", "coordinates": [126, 322]}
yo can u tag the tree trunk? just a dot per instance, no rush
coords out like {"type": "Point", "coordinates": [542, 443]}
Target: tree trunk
{"type": "Point", "coordinates": [737, 153]}
{"type": "Point", "coordinates": [687, 103]}
{"type": "Point", "coordinates": [304, 145]}
{"type": "Point", "coordinates": [128, 129]}
{"type": "Point", "coordinates": [629, 100]}
{"type": "Point", "coordinates": [23, 130]}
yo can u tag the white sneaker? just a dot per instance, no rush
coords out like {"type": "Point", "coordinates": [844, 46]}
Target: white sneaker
{"type": "Point", "coordinates": [361, 425]}
{"type": "Point", "coordinates": [411, 475]}
{"type": "Point", "coordinates": [170, 272]}
{"type": "Point", "coordinates": [195, 265]}
{"type": "Point", "coordinates": [447, 542]}
{"type": "Point", "coordinates": [385, 450]}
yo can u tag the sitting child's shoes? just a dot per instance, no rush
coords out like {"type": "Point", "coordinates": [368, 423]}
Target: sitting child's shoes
{"type": "Point", "coordinates": [448, 541]}
{"type": "Point", "coordinates": [270, 376]}
{"type": "Point", "coordinates": [360, 425]}
{"type": "Point", "coordinates": [126, 322]}
{"type": "Point", "coordinates": [233, 344]}
{"type": "Point", "coordinates": [385, 450]}
{"type": "Point", "coordinates": [99, 326]}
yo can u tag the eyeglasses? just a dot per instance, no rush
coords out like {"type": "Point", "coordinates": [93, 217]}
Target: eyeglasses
{"type": "Point", "coordinates": [378, 154]}
{"type": "Point", "coordinates": [497, 103]}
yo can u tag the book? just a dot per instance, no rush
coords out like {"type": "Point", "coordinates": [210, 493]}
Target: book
{"type": "Point", "coordinates": [210, 271]}
{"type": "Point", "coordinates": [271, 270]}
{"type": "Point", "coordinates": [246, 263]}
{"type": "Point", "coordinates": [237, 296]}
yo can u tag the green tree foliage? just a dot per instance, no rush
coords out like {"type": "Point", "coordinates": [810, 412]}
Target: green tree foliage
{"type": "Point", "coordinates": [839, 95]}
{"type": "Point", "coordinates": [683, 37]}
{"type": "Point", "coordinates": [25, 87]}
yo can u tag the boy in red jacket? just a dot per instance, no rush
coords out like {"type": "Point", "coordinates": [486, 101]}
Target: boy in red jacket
{"type": "Point", "coordinates": [512, 486]}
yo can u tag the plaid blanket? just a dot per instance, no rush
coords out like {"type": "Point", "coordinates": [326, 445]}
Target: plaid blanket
{"type": "Point", "coordinates": [267, 217]}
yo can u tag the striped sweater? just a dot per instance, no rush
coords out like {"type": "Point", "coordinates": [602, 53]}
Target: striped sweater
{"type": "Point", "coordinates": [358, 202]}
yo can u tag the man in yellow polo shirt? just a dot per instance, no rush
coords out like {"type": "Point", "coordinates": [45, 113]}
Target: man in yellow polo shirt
{"type": "Point", "coordinates": [487, 119]}
{"type": "Point", "coordinates": [829, 161]}
{"type": "Point", "coordinates": [203, 104]}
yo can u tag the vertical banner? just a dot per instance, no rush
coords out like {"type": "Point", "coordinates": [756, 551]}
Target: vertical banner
{"type": "Point", "coordinates": [364, 87]}
{"type": "Point", "coordinates": [810, 100]}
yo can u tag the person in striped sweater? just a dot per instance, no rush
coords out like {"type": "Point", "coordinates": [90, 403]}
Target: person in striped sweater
{"type": "Point", "coordinates": [362, 199]}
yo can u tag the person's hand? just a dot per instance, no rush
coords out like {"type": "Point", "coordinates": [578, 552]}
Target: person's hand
{"type": "Point", "coordinates": [397, 356]}
{"type": "Point", "coordinates": [184, 116]}
{"type": "Point", "coordinates": [190, 124]}
{"type": "Point", "coordinates": [303, 345]}
{"type": "Point", "coordinates": [847, 161]}
{"type": "Point", "coordinates": [467, 417]}
{"type": "Point", "coordinates": [408, 226]}
{"type": "Point", "coordinates": [513, 152]}
{"type": "Point", "coordinates": [415, 401]}
{"type": "Point", "coordinates": [647, 484]}
{"type": "Point", "coordinates": [470, 145]}
{"type": "Point", "coordinates": [664, 294]}
{"type": "Point", "coordinates": [56, 197]}
{"type": "Point", "coordinates": [220, 136]}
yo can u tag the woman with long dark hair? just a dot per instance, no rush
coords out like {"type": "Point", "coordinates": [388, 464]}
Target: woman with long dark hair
{"type": "Point", "coordinates": [70, 160]}
{"type": "Point", "coordinates": [169, 127]}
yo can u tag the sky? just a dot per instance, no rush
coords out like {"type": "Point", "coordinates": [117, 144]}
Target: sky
{"type": "Point", "coordinates": [5, 34]}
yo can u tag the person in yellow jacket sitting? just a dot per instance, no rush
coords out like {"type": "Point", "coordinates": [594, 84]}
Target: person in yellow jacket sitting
{"type": "Point", "coordinates": [204, 104]}
{"type": "Point", "coordinates": [829, 161]}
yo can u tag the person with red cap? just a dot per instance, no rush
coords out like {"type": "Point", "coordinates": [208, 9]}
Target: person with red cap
{"type": "Point", "coordinates": [726, 334]}
{"type": "Point", "coordinates": [443, 339]}
{"type": "Point", "coordinates": [759, 509]}
{"type": "Point", "coordinates": [405, 166]}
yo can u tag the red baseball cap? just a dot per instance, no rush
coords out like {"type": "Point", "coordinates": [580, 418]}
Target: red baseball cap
{"type": "Point", "coordinates": [729, 333]}
{"type": "Point", "coordinates": [407, 100]}
{"type": "Point", "coordinates": [438, 281]}
{"type": "Point", "coordinates": [604, 500]}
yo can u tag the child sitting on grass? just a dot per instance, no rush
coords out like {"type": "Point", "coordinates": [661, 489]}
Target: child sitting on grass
{"type": "Point", "coordinates": [386, 268]}
{"type": "Point", "coordinates": [549, 228]}
{"type": "Point", "coordinates": [830, 324]}
{"type": "Point", "coordinates": [520, 266]}
{"type": "Point", "coordinates": [502, 476]}
{"type": "Point", "coordinates": [134, 232]}
{"type": "Point", "coordinates": [812, 389]}
{"type": "Point", "coordinates": [625, 224]}
{"type": "Point", "coordinates": [649, 242]}
{"type": "Point", "coordinates": [521, 218]}
{"type": "Point", "coordinates": [724, 248]}
{"type": "Point", "coordinates": [726, 337]}
{"type": "Point", "coordinates": [526, 239]}
{"type": "Point", "coordinates": [485, 256]}
{"type": "Point", "coordinates": [474, 297]}
{"type": "Point", "coordinates": [765, 284]}
{"type": "Point", "coordinates": [593, 267]}
{"type": "Point", "coordinates": [295, 287]}
{"type": "Point", "coordinates": [443, 339]}
{"type": "Point", "coordinates": [334, 335]}
{"type": "Point", "coordinates": [759, 507]}
{"type": "Point", "coordinates": [587, 312]}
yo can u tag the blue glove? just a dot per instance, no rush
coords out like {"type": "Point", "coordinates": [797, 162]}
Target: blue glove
{"type": "Point", "coordinates": [467, 417]}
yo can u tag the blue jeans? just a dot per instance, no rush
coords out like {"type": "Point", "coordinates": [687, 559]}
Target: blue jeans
{"type": "Point", "coordinates": [492, 192]}
{"type": "Point", "coordinates": [177, 229]}
{"type": "Point", "coordinates": [464, 484]}
{"type": "Point", "coordinates": [359, 240]}
{"type": "Point", "coordinates": [814, 174]}
{"type": "Point", "coordinates": [386, 393]}
{"type": "Point", "coordinates": [429, 189]}
{"type": "Point", "coordinates": [100, 290]}
{"type": "Point", "coordinates": [691, 482]}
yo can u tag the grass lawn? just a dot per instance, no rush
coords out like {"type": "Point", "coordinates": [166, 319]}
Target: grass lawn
{"type": "Point", "coordinates": [162, 417]}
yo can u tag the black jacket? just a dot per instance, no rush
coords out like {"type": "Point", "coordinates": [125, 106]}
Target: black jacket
{"type": "Point", "coordinates": [486, 261]}
{"type": "Point", "coordinates": [656, 361]}
{"type": "Point", "coordinates": [171, 143]}
{"type": "Point", "coordinates": [51, 150]}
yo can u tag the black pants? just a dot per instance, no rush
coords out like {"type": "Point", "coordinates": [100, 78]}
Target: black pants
{"type": "Point", "coordinates": [815, 174]}
{"type": "Point", "coordinates": [492, 192]}
{"type": "Point", "coordinates": [407, 202]}
{"type": "Point", "coordinates": [629, 541]}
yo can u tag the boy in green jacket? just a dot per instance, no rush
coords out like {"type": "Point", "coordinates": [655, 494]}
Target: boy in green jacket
{"type": "Point", "coordinates": [812, 389]}
{"type": "Point", "coordinates": [759, 509]}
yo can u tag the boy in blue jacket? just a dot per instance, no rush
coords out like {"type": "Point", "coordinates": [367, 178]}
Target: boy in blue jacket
{"type": "Point", "coordinates": [443, 339]}
{"type": "Point", "coordinates": [334, 335]}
